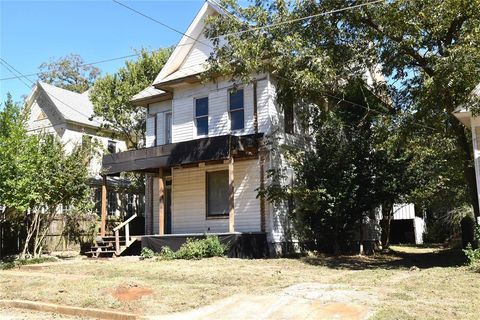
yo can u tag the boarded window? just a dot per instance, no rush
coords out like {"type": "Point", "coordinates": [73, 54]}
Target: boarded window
{"type": "Point", "coordinates": [237, 115]}
{"type": "Point", "coordinates": [288, 118]}
{"type": "Point", "coordinates": [217, 193]}
{"type": "Point", "coordinates": [201, 116]}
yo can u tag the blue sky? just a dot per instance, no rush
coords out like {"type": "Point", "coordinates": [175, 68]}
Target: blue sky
{"type": "Point", "coordinates": [32, 32]}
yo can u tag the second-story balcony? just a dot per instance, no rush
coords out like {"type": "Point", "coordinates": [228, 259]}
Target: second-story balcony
{"type": "Point", "coordinates": [182, 153]}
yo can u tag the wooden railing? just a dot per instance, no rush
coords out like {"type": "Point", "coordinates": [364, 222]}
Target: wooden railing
{"type": "Point", "coordinates": [127, 234]}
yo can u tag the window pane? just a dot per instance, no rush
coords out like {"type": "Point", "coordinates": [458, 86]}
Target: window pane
{"type": "Point", "coordinates": [202, 126]}
{"type": "Point", "coordinates": [217, 192]}
{"type": "Point", "coordinates": [236, 118]}
{"type": "Point", "coordinates": [201, 107]}
{"type": "Point", "coordinates": [112, 146]}
{"type": "Point", "coordinates": [236, 99]}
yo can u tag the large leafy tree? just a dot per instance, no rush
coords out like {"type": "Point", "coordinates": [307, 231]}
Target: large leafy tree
{"type": "Point", "coordinates": [421, 60]}
{"type": "Point", "coordinates": [69, 72]}
{"type": "Point", "coordinates": [112, 93]}
{"type": "Point", "coordinates": [37, 177]}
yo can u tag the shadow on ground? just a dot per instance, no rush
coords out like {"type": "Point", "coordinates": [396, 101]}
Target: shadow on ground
{"type": "Point", "coordinates": [393, 260]}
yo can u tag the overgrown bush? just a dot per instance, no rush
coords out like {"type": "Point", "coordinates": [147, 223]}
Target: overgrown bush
{"type": "Point", "coordinates": [195, 249]}
{"type": "Point", "coordinates": [166, 254]}
{"type": "Point", "coordinates": [147, 253]}
{"type": "Point", "coordinates": [473, 255]}
{"type": "Point", "coordinates": [201, 248]}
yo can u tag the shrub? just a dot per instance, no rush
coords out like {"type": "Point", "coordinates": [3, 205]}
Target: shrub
{"type": "Point", "coordinates": [201, 248]}
{"type": "Point", "coordinates": [166, 254]}
{"type": "Point", "coordinates": [473, 255]}
{"type": "Point", "coordinates": [147, 254]}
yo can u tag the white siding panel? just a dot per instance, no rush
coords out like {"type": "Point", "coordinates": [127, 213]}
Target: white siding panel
{"type": "Point", "coordinates": [150, 132]}
{"type": "Point", "coordinates": [263, 106]}
{"type": "Point", "coordinates": [247, 206]}
{"type": "Point", "coordinates": [161, 106]}
{"type": "Point", "coordinates": [198, 54]}
{"type": "Point", "coordinates": [403, 211]}
{"type": "Point", "coordinates": [219, 122]}
{"type": "Point", "coordinates": [182, 127]}
{"type": "Point", "coordinates": [160, 128]}
{"type": "Point", "coordinates": [189, 199]}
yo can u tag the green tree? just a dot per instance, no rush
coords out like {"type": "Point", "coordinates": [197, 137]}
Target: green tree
{"type": "Point", "coordinates": [420, 60]}
{"type": "Point", "coordinates": [69, 72]}
{"type": "Point", "coordinates": [112, 94]}
{"type": "Point", "coordinates": [37, 177]}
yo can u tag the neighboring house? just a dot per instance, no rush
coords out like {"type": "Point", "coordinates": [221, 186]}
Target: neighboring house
{"type": "Point", "coordinates": [68, 116]}
{"type": "Point", "coordinates": [465, 116]}
{"type": "Point", "coordinates": [206, 154]}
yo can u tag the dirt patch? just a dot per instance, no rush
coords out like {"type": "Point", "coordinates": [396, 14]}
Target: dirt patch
{"type": "Point", "coordinates": [131, 292]}
{"type": "Point", "coordinates": [339, 311]}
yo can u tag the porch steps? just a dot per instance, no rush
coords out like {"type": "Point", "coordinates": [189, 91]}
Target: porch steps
{"type": "Point", "coordinates": [105, 247]}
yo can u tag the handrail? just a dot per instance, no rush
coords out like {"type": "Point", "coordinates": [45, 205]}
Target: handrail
{"type": "Point", "coordinates": [124, 222]}
{"type": "Point", "coordinates": [127, 234]}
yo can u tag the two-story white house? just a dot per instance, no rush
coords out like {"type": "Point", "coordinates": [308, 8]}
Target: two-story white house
{"type": "Point", "coordinates": [68, 115]}
{"type": "Point", "coordinates": [205, 154]}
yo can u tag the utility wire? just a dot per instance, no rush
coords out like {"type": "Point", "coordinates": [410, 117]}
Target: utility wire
{"type": "Point", "coordinates": [196, 40]}
{"type": "Point", "coordinates": [4, 62]}
{"type": "Point", "coordinates": [160, 23]}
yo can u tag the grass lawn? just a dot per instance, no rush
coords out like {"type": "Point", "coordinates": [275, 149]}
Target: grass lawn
{"type": "Point", "coordinates": [410, 283]}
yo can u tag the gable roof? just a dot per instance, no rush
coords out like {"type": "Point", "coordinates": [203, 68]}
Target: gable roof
{"type": "Point", "coordinates": [73, 106]}
{"type": "Point", "coordinates": [172, 70]}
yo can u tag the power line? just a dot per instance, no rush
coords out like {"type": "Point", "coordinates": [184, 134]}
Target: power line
{"type": "Point", "coordinates": [274, 25]}
{"type": "Point", "coordinates": [196, 40]}
{"type": "Point", "coordinates": [48, 93]}
{"type": "Point", "coordinates": [160, 23]}
{"type": "Point", "coordinates": [10, 70]}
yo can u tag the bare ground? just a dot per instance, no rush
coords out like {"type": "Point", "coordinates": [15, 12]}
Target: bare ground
{"type": "Point", "coordinates": [409, 283]}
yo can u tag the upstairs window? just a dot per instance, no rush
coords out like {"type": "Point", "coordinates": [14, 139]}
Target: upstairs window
{"type": "Point", "coordinates": [201, 116]}
{"type": "Point", "coordinates": [288, 118]}
{"type": "Point", "coordinates": [112, 146]}
{"type": "Point", "coordinates": [237, 116]}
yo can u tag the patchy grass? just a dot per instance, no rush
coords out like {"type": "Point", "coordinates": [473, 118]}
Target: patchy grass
{"type": "Point", "coordinates": [12, 262]}
{"type": "Point", "coordinates": [409, 283]}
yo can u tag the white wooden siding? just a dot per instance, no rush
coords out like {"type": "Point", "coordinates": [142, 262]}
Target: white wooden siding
{"type": "Point", "coordinates": [219, 117]}
{"type": "Point", "coordinates": [150, 131]}
{"type": "Point", "coordinates": [402, 211]}
{"type": "Point", "coordinates": [198, 54]}
{"type": "Point", "coordinates": [189, 199]}
{"type": "Point", "coordinates": [160, 128]}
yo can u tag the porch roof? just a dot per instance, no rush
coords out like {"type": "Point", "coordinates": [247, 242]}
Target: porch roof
{"type": "Point", "coordinates": [181, 153]}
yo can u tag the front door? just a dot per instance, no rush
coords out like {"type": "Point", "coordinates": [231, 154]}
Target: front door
{"type": "Point", "coordinates": [168, 204]}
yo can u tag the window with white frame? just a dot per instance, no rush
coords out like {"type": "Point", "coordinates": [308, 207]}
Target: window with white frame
{"type": "Point", "coordinates": [236, 108]}
{"type": "Point", "coordinates": [201, 116]}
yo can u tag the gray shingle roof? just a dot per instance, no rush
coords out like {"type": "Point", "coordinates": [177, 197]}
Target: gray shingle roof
{"type": "Point", "coordinates": [75, 107]}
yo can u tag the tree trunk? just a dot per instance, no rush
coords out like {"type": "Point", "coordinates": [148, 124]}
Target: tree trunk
{"type": "Point", "coordinates": [387, 215]}
{"type": "Point", "coordinates": [336, 230]}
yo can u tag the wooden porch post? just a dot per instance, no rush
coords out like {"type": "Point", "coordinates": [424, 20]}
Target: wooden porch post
{"type": "Point", "coordinates": [103, 207]}
{"type": "Point", "coordinates": [231, 197]}
{"type": "Point", "coordinates": [161, 203]}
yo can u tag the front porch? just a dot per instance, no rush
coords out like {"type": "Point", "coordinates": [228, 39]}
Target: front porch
{"type": "Point", "coordinates": [193, 188]}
